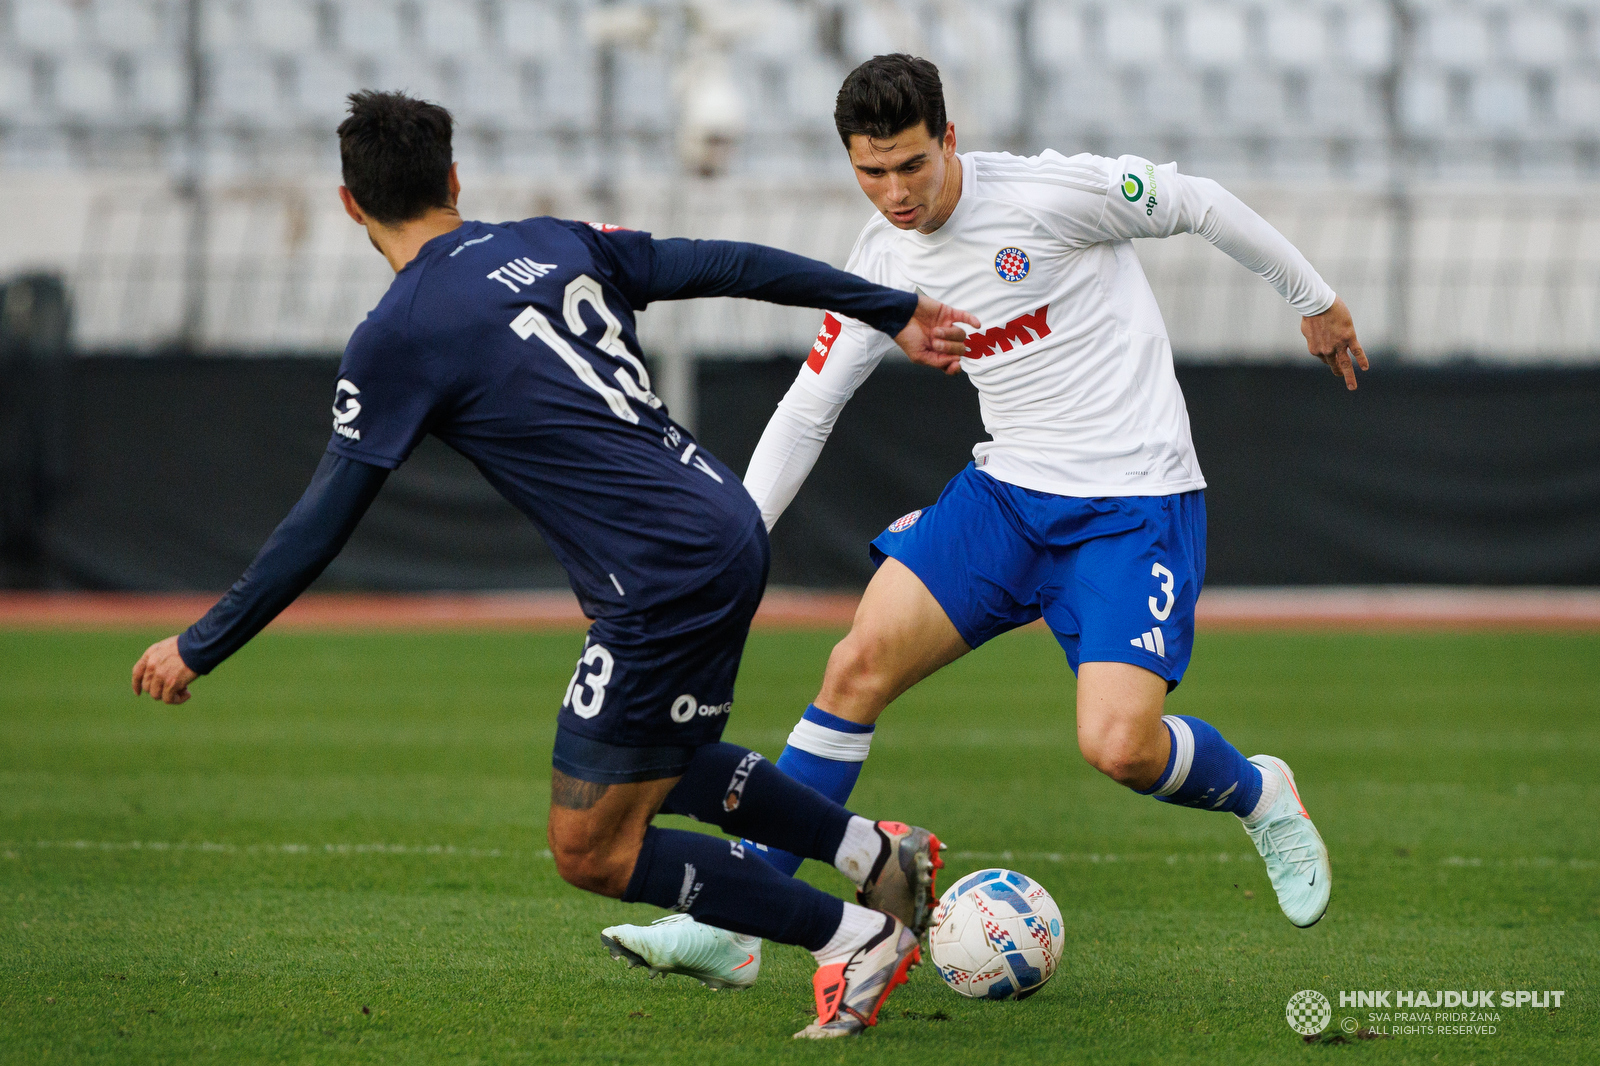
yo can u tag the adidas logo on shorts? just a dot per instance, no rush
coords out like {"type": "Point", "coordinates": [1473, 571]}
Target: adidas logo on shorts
{"type": "Point", "coordinates": [1151, 641]}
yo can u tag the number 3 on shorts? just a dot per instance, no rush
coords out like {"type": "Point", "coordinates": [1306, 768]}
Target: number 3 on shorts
{"type": "Point", "coordinates": [1166, 588]}
{"type": "Point", "coordinates": [586, 704]}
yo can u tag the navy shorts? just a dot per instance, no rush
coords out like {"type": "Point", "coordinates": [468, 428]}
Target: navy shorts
{"type": "Point", "coordinates": [653, 686]}
{"type": "Point", "coordinates": [1115, 577]}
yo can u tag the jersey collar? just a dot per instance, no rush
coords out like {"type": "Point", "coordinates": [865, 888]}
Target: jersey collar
{"type": "Point", "coordinates": [969, 182]}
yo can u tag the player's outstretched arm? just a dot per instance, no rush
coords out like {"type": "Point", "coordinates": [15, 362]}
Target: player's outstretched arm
{"type": "Point", "coordinates": [299, 549]}
{"type": "Point", "coordinates": [1331, 337]}
{"type": "Point", "coordinates": [934, 337]}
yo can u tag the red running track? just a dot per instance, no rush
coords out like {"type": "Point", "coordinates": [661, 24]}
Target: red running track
{"type": "Point", "coordinates": [1388, 608]}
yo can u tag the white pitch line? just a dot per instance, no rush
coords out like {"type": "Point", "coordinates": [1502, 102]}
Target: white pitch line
{"type": "Point", "coordinates": [9, 850]}
{"type": "Point", "coordinates": [269, 849]}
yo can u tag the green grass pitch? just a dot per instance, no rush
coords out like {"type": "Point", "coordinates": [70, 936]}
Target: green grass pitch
{"type": "Point", "coordinates": [339, 857]}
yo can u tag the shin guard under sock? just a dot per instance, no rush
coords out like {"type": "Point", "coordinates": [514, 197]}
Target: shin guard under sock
{"type": "Point", "coordinates": [1203, 770]}
{"type": "Point", "coordinates": [719, 883]}
{"type": "Point", "coordinates": [739, 791]}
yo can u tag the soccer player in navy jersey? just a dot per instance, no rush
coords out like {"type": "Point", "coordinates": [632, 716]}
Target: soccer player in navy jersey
{"type": "Point", "coordinates": [515, 345]}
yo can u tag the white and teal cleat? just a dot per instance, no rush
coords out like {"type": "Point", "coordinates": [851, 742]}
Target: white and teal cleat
{"type": "Point", "coordinates": [677, 943]}
{"type": "Point", "coordinates": [1296, 857]}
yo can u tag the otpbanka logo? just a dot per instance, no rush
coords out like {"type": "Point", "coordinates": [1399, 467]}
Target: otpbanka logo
{"type": "Point", "coordinates": [1134, 188]}
{"type": "Point", "coordinates": [1309, 1012]}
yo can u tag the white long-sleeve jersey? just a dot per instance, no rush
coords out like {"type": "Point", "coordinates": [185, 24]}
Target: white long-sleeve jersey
{"type": "Point", "coordinates": [1072, 362]}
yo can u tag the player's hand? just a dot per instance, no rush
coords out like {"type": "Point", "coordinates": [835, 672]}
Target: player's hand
{"type": "Point", "coordinates": [932, 337]}
{"type": "Point", "coordinates": [1331, 337]}
{"type": "Point", "coordinates": [162, 673]}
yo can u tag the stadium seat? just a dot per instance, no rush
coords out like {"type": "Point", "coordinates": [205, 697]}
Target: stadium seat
{"type": "Point", "coordinates": [286, 27]}
{"type": "Point", "coordinates": [85, 90]}
{"type": "Point", "coordinates": [533, 28]}
{"type": "Point", "coordinates": [46, 25]}
{"type": "Point", "coordinates": [1455, 37]}
{"type": "Point", "coordinates": [487, 95]}
{"type": "Point", "coordinates": [1135, 34]}
{"type": "Point", "coordinates": [160, 86]}
{"type": "Point", "coordinates": [243, 89]}
{"type": "Point", "coordinates": [645, 93]}
{"type": "Point", "coordinates": [1215, 35]}
{"type": "Point", "coordinates": [1424, 102]}
{"type": "Point", "coordinates": [133, 26]}
{"type": "Point", "coordinates": [1296, 37]}
{"type": "Point", "coordinates": [1255, 101]}
{"type": "Point", "coordinates": [1578, 102]}
{"type": "Point", "coordinates": [1368, 37]}
{"type": "Point", "coordinates": [453, 28]}
{"type": "Point", "coordinates": [1500, 102]}
{"type": "Point", "coordinates": [1346, 104]}
{"type": "Point", "coordinates": [1058, 35]}
{"type": "Point", "coordinates": [323, 81]}
{"type": "Point", "coordinates": [16, 88]}
{"type": "Point", "coordinates": [370, 28]}
{"type": "Point", "coordinates": [1539, 37]}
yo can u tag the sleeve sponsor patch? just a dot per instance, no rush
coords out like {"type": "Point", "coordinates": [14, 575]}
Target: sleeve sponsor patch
{"type": "Point", "coordinates": [823, 344]}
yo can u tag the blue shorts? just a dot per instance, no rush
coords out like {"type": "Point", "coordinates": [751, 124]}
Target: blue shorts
{"type": "Point", "coordinates": [653, 686]}
{"type": "Point", "coordinates": [1115, 577]}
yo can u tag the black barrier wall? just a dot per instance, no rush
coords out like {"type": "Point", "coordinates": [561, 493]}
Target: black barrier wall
{"type": "Point", "coordinates": [170, 472]}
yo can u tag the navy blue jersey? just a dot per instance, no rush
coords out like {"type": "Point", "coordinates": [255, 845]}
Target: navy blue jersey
{"type": "Point", "coordinates": [515, 344]}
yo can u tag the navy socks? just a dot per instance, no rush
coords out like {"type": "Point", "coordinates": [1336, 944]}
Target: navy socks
{"type": "Point", "coordinates": [1203, 770]}
{"type": "Point", "coordinates": [737, 790]}
{"type": "Point", "coordinates": [720, 883]}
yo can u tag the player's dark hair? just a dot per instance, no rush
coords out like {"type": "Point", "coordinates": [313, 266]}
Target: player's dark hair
{"type": "Point", "coordinates": [886, 94]}
{"type": "Point", "coordinates": [395, 152]}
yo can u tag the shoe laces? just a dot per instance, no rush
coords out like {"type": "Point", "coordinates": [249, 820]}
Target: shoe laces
{"type": "Point", "coordinates": [672, 919]}
{"type": "Point", "coordinates": [1284, 841]}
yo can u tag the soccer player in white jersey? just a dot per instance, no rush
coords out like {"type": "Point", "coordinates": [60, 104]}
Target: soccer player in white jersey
{"type": "Point", "coordinates": [1086, 508]}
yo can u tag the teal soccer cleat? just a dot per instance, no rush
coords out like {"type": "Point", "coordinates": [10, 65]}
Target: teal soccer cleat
{"type": "Point", "coordinates": [1296, 857]}
{"type": "Point", "coordinates": [678, 944]}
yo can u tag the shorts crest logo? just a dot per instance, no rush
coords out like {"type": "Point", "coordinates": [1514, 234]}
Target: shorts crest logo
{"type": "Point", "coordinates": [905, 522]}
{"type": "Point", "coordinates": [1132, 188]}
{"type": "Point", "coordinates": [1011, 264]}
{"type": "Point", "coordinates": [1309, 1012]}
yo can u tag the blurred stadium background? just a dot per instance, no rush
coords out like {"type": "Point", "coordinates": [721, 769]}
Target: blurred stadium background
{"type": "Point", "coordinates": [181, 278]}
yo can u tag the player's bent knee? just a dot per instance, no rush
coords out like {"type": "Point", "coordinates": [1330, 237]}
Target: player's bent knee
{"type": "Point", "coordinates": [1119, 755]}
{"type": "Point", "coordinates": [857, 669]}
{"type": "Point", "coordinates": [594, 870]}
{"type": "Point", "coordinates": [594, 862]}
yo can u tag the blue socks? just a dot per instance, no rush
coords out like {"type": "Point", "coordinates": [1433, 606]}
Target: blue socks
{"type": "Point", "coordinates": [825, 752]}
{"type": "Point", "coordinates": [1204, 770]}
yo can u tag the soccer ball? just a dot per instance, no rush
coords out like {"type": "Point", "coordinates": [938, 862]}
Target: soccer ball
{"type": "Point", "coordinates": [996, 935]}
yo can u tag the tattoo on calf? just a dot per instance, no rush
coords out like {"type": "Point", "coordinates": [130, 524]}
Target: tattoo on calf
{"type": "Point", "coordinates": [573, 794]}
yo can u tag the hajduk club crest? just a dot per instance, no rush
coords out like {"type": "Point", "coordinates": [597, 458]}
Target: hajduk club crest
{"type": "Point", "coordinates": [1011, 264]}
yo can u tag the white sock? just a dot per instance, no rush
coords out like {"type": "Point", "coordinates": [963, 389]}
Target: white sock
{"type": "Point", "coordinates": [859, 850]}
{"type": "Point", "coordinates": [858, 926]}
{"type": "Point", "coordinates": [1270, 783]}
